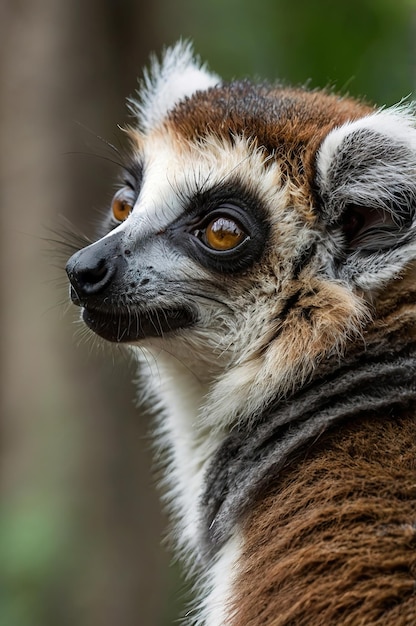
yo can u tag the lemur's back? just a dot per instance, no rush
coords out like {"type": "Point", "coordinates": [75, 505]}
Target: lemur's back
{"type": "Point", "coordinates": [260, 259]}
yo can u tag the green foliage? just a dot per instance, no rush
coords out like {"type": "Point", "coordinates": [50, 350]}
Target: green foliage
{"type": "Point", "coordinates": [364, 47]}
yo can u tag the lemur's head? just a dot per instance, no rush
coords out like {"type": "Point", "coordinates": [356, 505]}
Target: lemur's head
{"type": "Point", "coordinates": [253, 227]}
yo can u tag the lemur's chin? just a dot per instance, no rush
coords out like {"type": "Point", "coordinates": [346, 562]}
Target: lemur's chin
{"type": "Point", "coordinates": [131, 326]}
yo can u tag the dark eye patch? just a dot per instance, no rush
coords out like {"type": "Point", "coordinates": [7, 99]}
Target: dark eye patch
{"type": "Point", "coordinates": [233, 201]}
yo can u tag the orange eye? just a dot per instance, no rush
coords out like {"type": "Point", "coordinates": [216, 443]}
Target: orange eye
{"type": "Point", "coordinates": [224, 233]}
{"type": "Point", "coordinates": [122, 205]}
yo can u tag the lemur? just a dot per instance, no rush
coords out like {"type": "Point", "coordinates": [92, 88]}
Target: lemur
{"type": "Point", "coordinates": [259, 261]}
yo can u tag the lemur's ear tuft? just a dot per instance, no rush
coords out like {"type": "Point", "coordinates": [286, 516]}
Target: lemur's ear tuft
{"type": "Point", "coordinates": [179, 74]}
{"type": "Point", "coordinates": [366, 180]}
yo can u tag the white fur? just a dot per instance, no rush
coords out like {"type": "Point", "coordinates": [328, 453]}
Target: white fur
{"type": "Point", "coordinates": [216, 608]}
{"type": "Point", "coordinates": [180, 397]}
{"type": "Point", "coordinates": [178, 76]}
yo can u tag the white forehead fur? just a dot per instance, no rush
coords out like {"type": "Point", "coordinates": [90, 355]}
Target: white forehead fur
{"type": "Point", "coordinates": [179, 75]}
{"type": "Point", "coordinates": [172, 174]}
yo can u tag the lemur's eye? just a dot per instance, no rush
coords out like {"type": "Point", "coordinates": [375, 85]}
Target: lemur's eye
{"type": "Point", "coordinates": [223, 233]}
{"type": "Point", "coordinates": [122, 204]}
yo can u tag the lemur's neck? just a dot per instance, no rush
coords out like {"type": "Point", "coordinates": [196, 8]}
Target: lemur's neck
{"type": "Point", "coordinates": [375, 379]}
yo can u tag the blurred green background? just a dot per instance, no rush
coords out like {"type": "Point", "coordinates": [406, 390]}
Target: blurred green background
{"type": "Point", "coordinates": [80, 523]}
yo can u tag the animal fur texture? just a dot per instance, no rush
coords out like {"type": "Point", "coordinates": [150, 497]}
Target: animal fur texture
{"type": "Point", "coordinates": [260, 262]}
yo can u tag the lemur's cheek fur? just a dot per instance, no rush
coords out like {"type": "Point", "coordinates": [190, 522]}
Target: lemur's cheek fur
{"type": "Point", "coordinates": [259, 255]}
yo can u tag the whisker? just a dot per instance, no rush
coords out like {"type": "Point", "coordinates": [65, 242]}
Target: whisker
{"type": "Point", "coordinates": [94, 155]}
{"type": "Point", "coordinates": [92, 133]}
{"type": "Point", "coordinates": [185, 365]}
{"type": "Point", "coordinates": [159, 323]}
{"type": "Point", "coordinates": [228, 174]}
{"type": "Point", "coordinates": [66, 238]}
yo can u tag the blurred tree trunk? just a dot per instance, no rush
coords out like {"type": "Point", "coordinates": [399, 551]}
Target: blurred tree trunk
{"type": "Point", "coordinates": [80, 525]}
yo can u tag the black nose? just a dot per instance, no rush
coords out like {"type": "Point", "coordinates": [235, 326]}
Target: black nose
{"type": "Point", "coordinates": [92, 269]}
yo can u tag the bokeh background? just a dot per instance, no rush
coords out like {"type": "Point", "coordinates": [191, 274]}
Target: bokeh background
{"type": "Point", "coordinates": [80, 523]}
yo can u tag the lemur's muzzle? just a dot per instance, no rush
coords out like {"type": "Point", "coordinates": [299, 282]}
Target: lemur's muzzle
{"type": "Point", "coordinates": [114, 307]}
{"type": "Point", "coordinates": [92, 270]}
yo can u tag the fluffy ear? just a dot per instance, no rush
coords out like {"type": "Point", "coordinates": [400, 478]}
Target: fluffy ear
{"type": "Point", "coordinates": [366, 180]}
{"type": "Point", "coordinates": [179, 74]}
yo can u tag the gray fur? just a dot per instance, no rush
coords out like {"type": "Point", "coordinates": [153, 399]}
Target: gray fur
{"type": "Point", "coordinates": [373, 171]}
{"type": "Point", "coordinates": [376, 174]}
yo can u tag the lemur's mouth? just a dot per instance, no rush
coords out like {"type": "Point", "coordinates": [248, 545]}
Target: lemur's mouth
{"type": "Point", "coordinates": [126, 326]}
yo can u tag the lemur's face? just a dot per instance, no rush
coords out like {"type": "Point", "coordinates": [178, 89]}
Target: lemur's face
{"type": "Point", "coordinates": [252, 223]}
{"type": "Point", "coordinates": [190, 233]}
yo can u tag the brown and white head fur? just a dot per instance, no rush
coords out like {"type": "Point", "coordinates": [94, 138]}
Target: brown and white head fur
{"type": "Point", "coordinates": [314, 199]}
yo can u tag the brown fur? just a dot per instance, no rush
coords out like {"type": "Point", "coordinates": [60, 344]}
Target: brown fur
{"type": "Point", "coordinates": [334, 540]}
{"type": "Point", "coordinates": [291, 123]}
